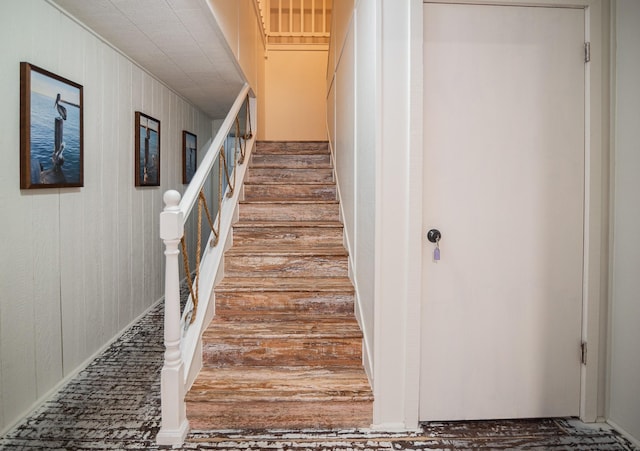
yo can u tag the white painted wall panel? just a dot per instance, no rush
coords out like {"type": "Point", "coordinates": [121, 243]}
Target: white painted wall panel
{"type": "Point", "coordinates": [366, 130]}
{"type": "Point", "coordinates": [123, 227]}
{"type": "Point", "coordinates": [78, 264]}
{"type": "Point", "coordinates": [295, 95]}
{"type": "Point", "coordinates": [624, 382]}
{"type": "Point", "coordinates": [239, 23]}
{"type": "Point", "coordinates": [249, 41]}
{"type": "Point", "coordinates": [345, 137]}
{"type": "Point", "coordinates": [341, 24]}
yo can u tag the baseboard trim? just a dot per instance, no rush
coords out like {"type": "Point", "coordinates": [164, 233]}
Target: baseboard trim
{"type": "Point", "coordinates": [393, 427]}
{"type": "Point", "coordinates": [624, 433]}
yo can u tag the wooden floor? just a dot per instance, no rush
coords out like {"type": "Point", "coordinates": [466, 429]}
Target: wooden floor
{"type": "Point", "coordinates": [544, 434]}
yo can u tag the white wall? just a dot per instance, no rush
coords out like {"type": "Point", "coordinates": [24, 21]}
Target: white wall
{"type": "Point", "coordinates": [239, 22]}
{"type": "Point", "coordinates": [240, 25]}
{"type": "Point", "coordinates": [294, 95]}
{"type": "Point", "coordinates": [78, 265]}
{"type": "Point", "coordinates": [374, 90]}
{"type": "Point", "coordinates": [624, 382]}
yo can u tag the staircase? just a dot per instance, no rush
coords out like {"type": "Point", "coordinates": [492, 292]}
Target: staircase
{"type": "Point", "coordinates": [284, 350]}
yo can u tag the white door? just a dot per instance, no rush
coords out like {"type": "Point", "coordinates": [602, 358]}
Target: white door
{"type": "Point", "coordinates": [504, 184]}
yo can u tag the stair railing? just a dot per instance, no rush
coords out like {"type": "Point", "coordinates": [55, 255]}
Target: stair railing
{"type": "Point", "coordinates": [232, 145]}
{"type": "Point", "coordinates": [296, 21]}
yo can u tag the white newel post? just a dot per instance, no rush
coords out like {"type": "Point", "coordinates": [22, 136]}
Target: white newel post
{"type": "Point", "coordinates": [174, 426]}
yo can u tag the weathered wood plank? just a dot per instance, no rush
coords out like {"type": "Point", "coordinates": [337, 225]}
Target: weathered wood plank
{"type": "Point", "coordinates": [292, 147]}
{"type": "Point", "coordinates": [282, 414]}
{"type": "Point", "coordinates": [291, 161]}
{"type": "Point", "coordinates": [236, 303]}
{"type": "Point", "coordinates": [287, 191]}
{"type": "Point", "coordinates": [289, 211]}
{"type": "Point", "coordinates": [286, 265]}
{"type": "Point", "coordinates": [286, 175]}
{"type": "Point", "coordinates": [291, 235]}
{"type": "Point", "coordinates": [269, 383]}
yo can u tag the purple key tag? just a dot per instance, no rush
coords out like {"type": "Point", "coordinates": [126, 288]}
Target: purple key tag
{"type": "Point", "coordinates": [436, 253]}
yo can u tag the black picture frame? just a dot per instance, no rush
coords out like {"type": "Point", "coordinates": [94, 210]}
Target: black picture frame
{"type": "Point", "coordinates": [51, 130]}
{"type": "Point", "coordinates": [147, 150]}
{"type": "Point", "coordinates": [189, 156]}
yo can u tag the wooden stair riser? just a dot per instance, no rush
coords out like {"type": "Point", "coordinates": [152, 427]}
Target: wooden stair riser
{"type": "Point", "coordinates": [256, 383]}
{"type": "Point", "coordinates": [294, 303]}
{"type": "Point", "coordinates": [280, 415]}
{"type": "Point", "coordinates": [291, 161]}
{"type": "Point", "coordinates": [280, 175]}
{"type": "Point", "coordinates": [278, 236]}
{"type": "Point", "coordinates": [265, 211]}
{"type": "Point", "coordinates": [305, 147]}
{"type": "Point", "coordinates": [283, 351]}
{"type": "Point", "coordinates": [287, 266]}
{"type": "Point", "coordinates": [290, 192]}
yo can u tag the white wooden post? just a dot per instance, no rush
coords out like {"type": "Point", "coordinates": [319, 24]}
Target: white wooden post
{"type": "Point", "coordinates": [174, 426]}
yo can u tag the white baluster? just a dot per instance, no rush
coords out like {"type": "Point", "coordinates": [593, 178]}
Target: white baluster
{"type": "Point", "coordinates": [174, 426]}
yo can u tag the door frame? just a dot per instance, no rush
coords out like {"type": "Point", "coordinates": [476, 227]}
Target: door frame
{"type": "Point", "coordinates": [596, 201]}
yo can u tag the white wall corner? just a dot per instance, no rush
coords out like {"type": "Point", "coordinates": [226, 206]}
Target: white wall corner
{"type": "Point", "coordinates": [398, 250]}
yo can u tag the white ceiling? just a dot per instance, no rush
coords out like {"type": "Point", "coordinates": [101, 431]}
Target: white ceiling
{"type": "Point", "coordinates": [178, 41]}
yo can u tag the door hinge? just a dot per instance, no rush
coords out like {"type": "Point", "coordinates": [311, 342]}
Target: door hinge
{"type": "Point", "coordinates": [587, 52]}
{"type": "Point", "coordinates": [583, 352]}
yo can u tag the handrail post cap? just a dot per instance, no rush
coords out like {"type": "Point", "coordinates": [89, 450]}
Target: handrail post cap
{"type": "Point", "coordinates": [171, 198]}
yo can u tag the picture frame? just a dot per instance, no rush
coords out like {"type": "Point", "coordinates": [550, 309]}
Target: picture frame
{"type": "Point", "coordinates": [189, 156]}
{"type": "Point", "coordinates": [51, 130]}
{"type": "Point", "coordinates": [147, 150]}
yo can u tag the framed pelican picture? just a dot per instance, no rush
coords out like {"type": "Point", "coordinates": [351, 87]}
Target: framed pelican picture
{"type": "Point", "coordinates": [147, 150]}
{"type": "Point", "coordinates": [51, 130]}
{"type": "Point", "coordinates": [189, 156]}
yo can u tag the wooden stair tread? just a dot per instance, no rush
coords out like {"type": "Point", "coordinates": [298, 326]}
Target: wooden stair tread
{"type": "Point", "coordinates": [289, 202]}
{"type": "Point", "coordinates": [284, 183]}
{"type": "Point", "coordinates": [291, 161]}
{"type": "Point", "coordinates": [288, 191]}
{"type": "Point", "coordinates": [255, 384]}
{"type": "Point", "coordinates": [293, 318]}
{"type": "Point", "coordinates": [296, 224]}
{"type": "Point", "coordinates": [311, 284]}
{"type": "Point", "coordinates": [340, 328]}
{"type": "Point", "coordinates": [291, 147]}
{"type": "Point", "coordinates": [286, 250]}
{"type": "Point", "coordinates": [280, 182]}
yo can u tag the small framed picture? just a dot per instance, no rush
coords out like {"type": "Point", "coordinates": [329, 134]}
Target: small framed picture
{"type": "Point", "coordinates": [147, 152]}
{"type": "Point", "coordinates": [51, 130]}
{"type": "Point", "coordinates": [189, 156]}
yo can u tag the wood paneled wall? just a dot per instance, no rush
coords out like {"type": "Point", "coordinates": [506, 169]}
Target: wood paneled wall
{"type": "Point", "coordinates": [79, 264]}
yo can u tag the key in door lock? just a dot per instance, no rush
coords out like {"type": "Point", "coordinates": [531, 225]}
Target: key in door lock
{"type": "Point", "coordinates": [434, 235]}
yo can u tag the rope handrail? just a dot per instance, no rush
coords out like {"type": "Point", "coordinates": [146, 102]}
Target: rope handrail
{"type": "Point", "coordinates": [239, 154]}
{"type": "Point", "coordinates": [190, 196]}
